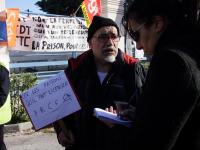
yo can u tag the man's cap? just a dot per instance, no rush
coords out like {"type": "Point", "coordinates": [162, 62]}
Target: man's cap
{"type": "Point", "coordinates": [99, 22]}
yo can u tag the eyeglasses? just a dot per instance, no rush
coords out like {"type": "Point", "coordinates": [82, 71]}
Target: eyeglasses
{"type": "Point", "coordinates": [134, 34]}
{"type": "Point", "coordinates": [106, 37]}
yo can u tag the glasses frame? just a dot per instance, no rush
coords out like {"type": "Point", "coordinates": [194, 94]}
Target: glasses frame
{"type": "Point", "coordinates": [134, 34]}
{"type": "Point", "coordinates": [105, 39]}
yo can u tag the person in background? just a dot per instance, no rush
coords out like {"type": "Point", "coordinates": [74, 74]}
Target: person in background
{"type": "Point", "coordinates": [168, 110]}
{"type": "Point", "coordinates": [5, 110]}
{"type": "Point", "coordinates": [100, 76]}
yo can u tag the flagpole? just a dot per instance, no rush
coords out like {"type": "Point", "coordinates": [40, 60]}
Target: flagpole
{"type": "Point", "coordinates": [125, 32]}
{"type": "Point", "coordinates": [74, 53]}
{"type": "Point", "coordinates": [74, 14]}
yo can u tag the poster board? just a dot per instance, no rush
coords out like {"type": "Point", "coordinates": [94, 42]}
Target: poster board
{"type": "Point", "coordinates": [50, 101]}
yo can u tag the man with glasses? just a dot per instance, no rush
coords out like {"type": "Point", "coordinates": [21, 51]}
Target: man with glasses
{"type": "Point", "coordinates": [100, 76]}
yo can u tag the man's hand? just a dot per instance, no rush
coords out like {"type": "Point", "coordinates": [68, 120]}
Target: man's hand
{"type": "Point", "coordinates": [66, 140]}
{"type": "Point", "coordinates": [125, 110]}
{"type": "Point", "coordinates": [110, 109]}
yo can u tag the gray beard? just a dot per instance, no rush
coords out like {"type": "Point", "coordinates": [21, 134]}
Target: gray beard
{"type": "Point", "coordinates": [110, 59]}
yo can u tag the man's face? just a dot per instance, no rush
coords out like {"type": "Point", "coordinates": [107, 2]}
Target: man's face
{"type": "Point", "coordinates": [104, 44]}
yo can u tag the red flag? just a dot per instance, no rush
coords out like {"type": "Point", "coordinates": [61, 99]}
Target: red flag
{"type": "Point", "coordinates": [12, 20]}
{"type": "Point", "coordinates": [8, 26]}
{"type": "Point", "coordinates": [91, 8]}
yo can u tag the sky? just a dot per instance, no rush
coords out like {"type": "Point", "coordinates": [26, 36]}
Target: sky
{"type": "Point", "coordinates": [23, 5]}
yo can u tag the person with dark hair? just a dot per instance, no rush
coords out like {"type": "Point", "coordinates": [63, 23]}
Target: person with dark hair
{"type": "Point", "coordinates": [100, 77]}
{"type": "Point", "coordinates": [168, 110]}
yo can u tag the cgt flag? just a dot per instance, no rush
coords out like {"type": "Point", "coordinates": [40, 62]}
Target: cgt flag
{"type": "Point", "coordinates": [90, 8]}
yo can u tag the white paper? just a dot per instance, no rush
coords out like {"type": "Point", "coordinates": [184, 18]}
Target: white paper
{"type": "Point", "coordinates": [50, 101]}
{"type": "Point", "coordinates": [110, 117]}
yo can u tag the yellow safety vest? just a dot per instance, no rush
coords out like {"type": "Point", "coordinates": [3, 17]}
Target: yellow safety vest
{"type": "Point", "coordinates": [5, 110]}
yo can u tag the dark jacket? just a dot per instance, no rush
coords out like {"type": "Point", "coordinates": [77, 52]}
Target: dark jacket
{"type": "Point", "coordinates": [119, 84]}
{"type": "Point", "coordinates": [168, 112]}
{"type": "Point", "coordinates": [4, 84]}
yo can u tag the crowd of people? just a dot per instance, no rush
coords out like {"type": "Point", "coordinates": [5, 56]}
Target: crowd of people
{"type": "Point", "coordinates": [162, 103]}
{"type": "Point", "coordinates": [165, 110]}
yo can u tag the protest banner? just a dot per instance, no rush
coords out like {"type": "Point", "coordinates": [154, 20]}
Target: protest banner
{"type": "Point", "coordinates": [90, 8]}
{"type": "Point", "coordinates": [43, 33]}
{"type": "Point", "coordinates": [50, 101]}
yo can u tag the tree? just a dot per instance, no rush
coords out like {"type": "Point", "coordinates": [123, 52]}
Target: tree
{"type": "Point", "coordinates": [60, 7]}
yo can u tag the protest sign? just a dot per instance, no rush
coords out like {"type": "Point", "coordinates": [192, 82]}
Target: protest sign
{"type": "Point", "coordinates": [3, 31]}
{"type": "Point", "coordinates": [43, 33]}
{"type": "Point", "coordinates": [50, 101]}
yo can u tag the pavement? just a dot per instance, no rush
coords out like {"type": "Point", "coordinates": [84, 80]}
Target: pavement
{"type": "Point", "coordinates": [22, 137]}
{"type": "Point", "coordinates": [19, 127]}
